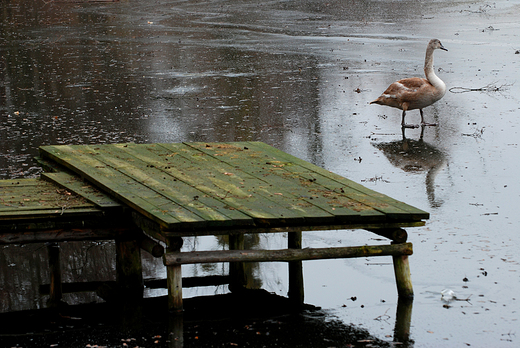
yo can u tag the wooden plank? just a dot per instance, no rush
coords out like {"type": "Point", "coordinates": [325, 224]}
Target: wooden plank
{"type": "Point", "coordinates": [322, 177]}
{"type": "Point", "coordinates": [131, 161]}
{"type": "Point", "coordinates": [246, 180]}
{"type": "Point", "coordinates": [315, 207]}
{"type": "Point", "coordinates": [82, 160]}
{"type": "Point", "coordinates": [78, 186]}
{"type": "Point", "coordinates": [262, 155]}
{"type": "Point", "coordinates": [34, 198]}
{"type": "Point", "coordinates": [37, 235]}
{"type": "Point", "coordinates": [41, 212]}
{"type": "Point", "coordinates": [37, 192]}
{"type": "Point", "coordinates": [261, 164]}
{"type": "Point", "coordinates": [182, 258]}
{"type": "Point", "coordinates": [288, 228]}
{"type": "Point", "coordinates": [342, 181]}
{"type": "Point", "coordinates": [292, 184]}
{"type": "Point", "coordinates": [18, 182]}
{"type": "Point", "coordinates": [237, 189]}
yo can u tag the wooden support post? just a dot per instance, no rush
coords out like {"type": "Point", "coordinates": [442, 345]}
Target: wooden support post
{"type": "Point", "coordinates": [176, 328]}
{"type": "Point", "coordinates": [403, 320]}
{"type": "Point", "coordinates": [402, 275]}
{"type": "Point", "coordinates": [174, 277]}
{"type": "Point", "coordinates": [55, 290]}
{"type": "Point", "coordinates": [296, 286]}
{"type": "Point", "coordinates": [129, 272]}
{"type": "Point", "coordinates": [237, 272]}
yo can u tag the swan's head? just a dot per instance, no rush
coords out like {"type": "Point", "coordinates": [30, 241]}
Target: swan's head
{"type": "Point", "coordinates": [436, 44]}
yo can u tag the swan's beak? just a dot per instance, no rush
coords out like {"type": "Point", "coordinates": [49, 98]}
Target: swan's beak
{"type": "Point", "coordinates": [443, 48]}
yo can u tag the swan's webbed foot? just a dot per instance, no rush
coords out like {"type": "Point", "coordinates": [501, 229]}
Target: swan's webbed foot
{"type": "Point", "coordinates": [424, 123]}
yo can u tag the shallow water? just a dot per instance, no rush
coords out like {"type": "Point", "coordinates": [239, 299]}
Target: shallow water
{"type": "Point", "coordinates": [298, 76]}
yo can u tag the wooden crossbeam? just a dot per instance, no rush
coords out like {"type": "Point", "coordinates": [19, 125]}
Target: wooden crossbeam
{"type": "Point", "coordinates": [180, 258]}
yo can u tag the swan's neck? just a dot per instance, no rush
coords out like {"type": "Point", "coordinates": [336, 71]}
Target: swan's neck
{"type": "Point", "coordinates": [430, 73]}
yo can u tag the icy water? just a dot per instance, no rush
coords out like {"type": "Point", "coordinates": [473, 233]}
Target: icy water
{"type": "Point", "coordinates": [297, 75]}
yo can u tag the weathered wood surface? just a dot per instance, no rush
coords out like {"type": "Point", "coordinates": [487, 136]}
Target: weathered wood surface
{"type": "Point", "coordinates": [26, 198]}
{"type": "Point", "coordinates": [402, 275]}
{"type": "Point", "coordinates": [47, 231]}
{"type": "Point", "coordinates": [296, 284]}
{"type": "Point", "coordinates": [185, 189]}
{"type": "Point", "coordinates": [73, 184]}
{"type": "Point", "coordinates": [35, 210]}
{"type": "Point", "coordinates": [180, 258]}
{"type": "Point", "coordinates": [55, 289]}
{"type": "Point", "coordinates": [197, 186]}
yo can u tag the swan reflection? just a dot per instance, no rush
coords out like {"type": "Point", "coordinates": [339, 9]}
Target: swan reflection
{"type": "Point", "coordinates": [416, 156]}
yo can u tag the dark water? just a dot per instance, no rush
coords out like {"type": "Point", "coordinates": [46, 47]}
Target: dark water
{"type": "Point", "coordinates": [296, 75]}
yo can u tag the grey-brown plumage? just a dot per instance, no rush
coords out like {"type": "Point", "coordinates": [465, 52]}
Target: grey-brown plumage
{"type": "Point", "coordinates": [416, 93]}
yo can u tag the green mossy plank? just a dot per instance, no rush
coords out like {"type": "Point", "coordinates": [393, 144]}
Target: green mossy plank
{"type": "Point", "coordinates": [294, 186]}
{"type": "Point", "coordinates": [134, 161]}
{"type": "Point", "coordinates": [263, 155]}
{"type": "Point", "coordinates": [261, 165]}
{"type": "Point", "coordinates": [192, 185]}
{"type": "Point", "coordinates": [211, 180]}
{"type": "Point", "coordinates": [244, 191]}
{"type": "Point", "coordinates": [342, 181]}
{"type": "Point", "coordinates": [18, 182]}
{"type": "Point", "coordinates": [36, 194]}
{"type": "Point", "coordinates": [78, 186]}
{"type": "Point", "coordinates": [81, 159]}
{"type": "Point", "coordinates": [43, 212]}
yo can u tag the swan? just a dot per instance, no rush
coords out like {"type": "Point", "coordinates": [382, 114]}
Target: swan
{"type": "Point", "coordinates": [415, 92]}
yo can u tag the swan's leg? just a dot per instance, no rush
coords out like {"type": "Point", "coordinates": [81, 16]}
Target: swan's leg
{"type": "Point", "coordinates": [424, 123]}
{"type": "Point", "coordinates": [404, 125]}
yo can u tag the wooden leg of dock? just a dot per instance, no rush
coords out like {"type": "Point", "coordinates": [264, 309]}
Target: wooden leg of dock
{"type": "Point", "coordinates": [55, 290]}
{"type": "Point", "coordinates": [403, 320]}
{"type": "Point", "coordinates": [402, 276]}
{"type": "Point", "coordinates": [129, 271]}
{"type": "Point", "coordinates": [296, 287]}
{"type": "Point", "coordinates": [237, 273]}
{"type": "Point", "coordinates": [174, 278]}
{"type": "Point", "coordinates": [176, 329]}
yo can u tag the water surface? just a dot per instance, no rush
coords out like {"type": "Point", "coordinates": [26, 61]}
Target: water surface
{"type": "Point", "coordinates": [298, 76]}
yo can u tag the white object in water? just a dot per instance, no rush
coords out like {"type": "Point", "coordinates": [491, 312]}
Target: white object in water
{"type": "Point", "coordinates": [448, 295]}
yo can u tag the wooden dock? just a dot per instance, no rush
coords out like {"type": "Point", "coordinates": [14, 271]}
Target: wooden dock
{"type": "Point", "coordinates": [143, 194]}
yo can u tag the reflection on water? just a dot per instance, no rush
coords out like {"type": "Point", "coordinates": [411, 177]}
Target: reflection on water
{"type": "Point", "coordinates": [242, 323]}
{"type": "Point", "coordinates": [119, 77]}
{"type": "Point", "coordinates": [416, 156]}
{"type": "Point", "coordinates": [24, 268]}
{"type": "Point", "coordinates": [25, 273]}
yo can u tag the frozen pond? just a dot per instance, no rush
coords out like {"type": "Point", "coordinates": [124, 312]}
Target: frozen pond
{"type": "Point", "coordinates": [298, 75]}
